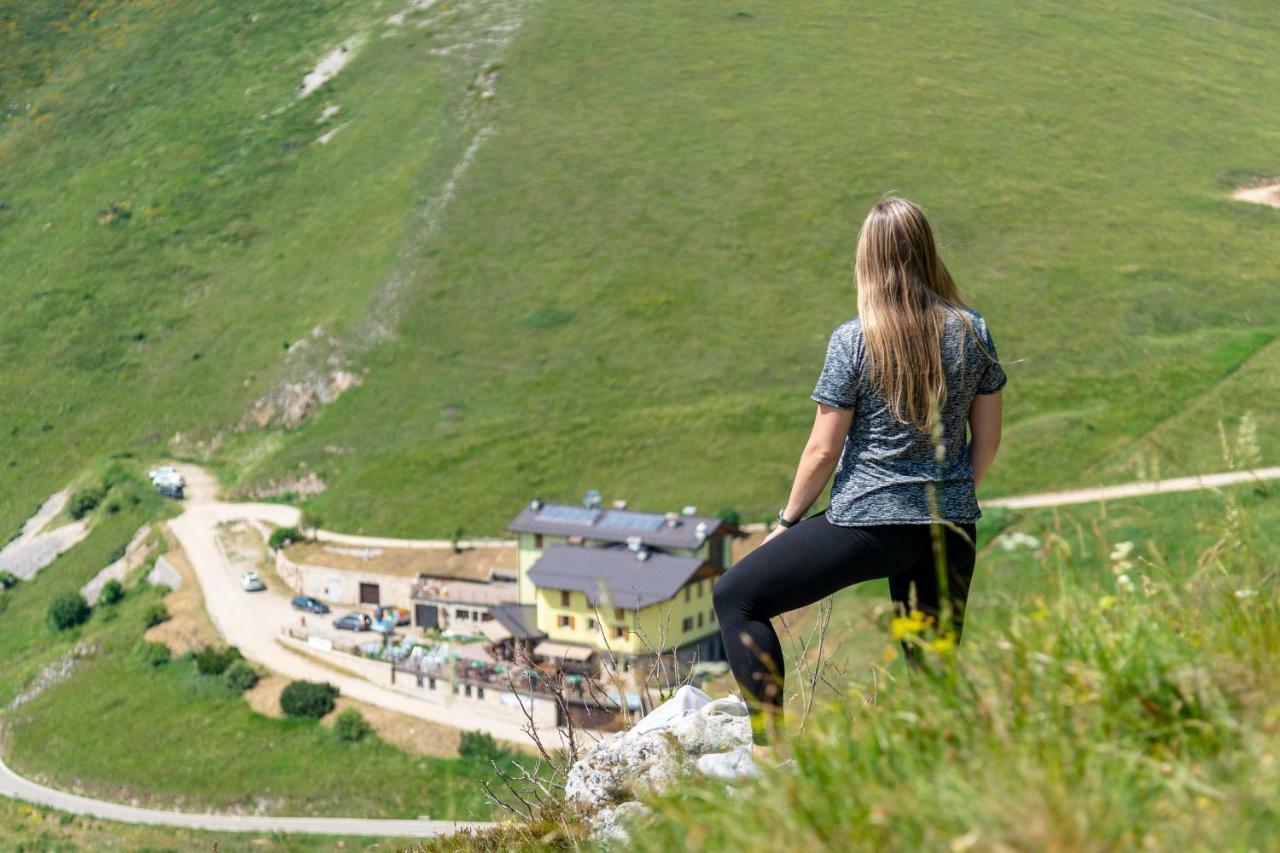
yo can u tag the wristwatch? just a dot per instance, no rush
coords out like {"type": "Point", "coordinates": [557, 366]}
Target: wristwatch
{"type": "Point", "coordinates": [782, 519]}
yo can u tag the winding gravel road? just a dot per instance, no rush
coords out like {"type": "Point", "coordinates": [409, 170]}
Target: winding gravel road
{"type": "Point", "coordinates": [13, 785]}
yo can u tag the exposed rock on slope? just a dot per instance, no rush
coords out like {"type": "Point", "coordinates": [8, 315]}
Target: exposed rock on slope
{"type": "Point", "coordinates": [690, 733]}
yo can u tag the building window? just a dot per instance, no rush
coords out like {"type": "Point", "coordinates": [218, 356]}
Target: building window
{"type": "Point", "coordinates": [699, 589]}
{"type": "Point", "coordinates": [688, 624]}
{"type": "Point", "coordinates": [591, 624]}
{"type": "Point", "coordinates": [713, 615]}
{"type": "Point", "coordinates": [619, 632]}
{"type": "Point", "coordinates": [687, 592]}
{"type": "Point", "coordinates": [479, 692]}
{"type": "Point", "coordinates": [467, 689]}
{"type": "Point", "coordinates": [564, 598]}
{"type": "Point", "coordinates": [619, 614]}
{"type": "Point", "coordinates": [537, 540]}
{"type": "Point", "coordinates": [431, 683]}
{"type": "Point", "coordinates": [564, 621]}
{"type": "Point", "coordinates": [699, 620]}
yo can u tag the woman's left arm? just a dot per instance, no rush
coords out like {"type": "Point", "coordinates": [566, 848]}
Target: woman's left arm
{"type": "Point", "coordinates": [818, 461]}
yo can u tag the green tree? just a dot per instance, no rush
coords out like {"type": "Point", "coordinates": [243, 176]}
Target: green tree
{"type": "Point", "coordinates": [68, 610]}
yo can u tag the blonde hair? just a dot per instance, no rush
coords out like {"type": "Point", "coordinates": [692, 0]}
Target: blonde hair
{"type": "Point", "coordinates": [904, 295]}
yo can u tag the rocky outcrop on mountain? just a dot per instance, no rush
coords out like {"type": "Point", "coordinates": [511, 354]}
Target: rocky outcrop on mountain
{"type": "Point", "coordinates": [691, 733]}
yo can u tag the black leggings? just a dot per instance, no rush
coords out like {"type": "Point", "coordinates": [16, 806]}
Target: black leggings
{"type": "Point", "coordinates": [814, 559]}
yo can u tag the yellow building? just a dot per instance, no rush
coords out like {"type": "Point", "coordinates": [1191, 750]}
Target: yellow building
{"type": "Point", "coordinates": [621, 585]}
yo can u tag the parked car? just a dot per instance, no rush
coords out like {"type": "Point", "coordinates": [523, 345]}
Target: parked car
{"type": "Point", "coordinates": [309, 604]}
{"type": "Point", "coordinates": [163, 471]}
{"type": "Point", "coordinates": [170, 491]}
{"type": "Point", "coordinates": [353, 622]}
{"type": "Point", "coordinates": [251, 582]}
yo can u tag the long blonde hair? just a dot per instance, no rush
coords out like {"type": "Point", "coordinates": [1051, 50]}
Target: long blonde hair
{"type": "Point", "coordinates": [904, 295]}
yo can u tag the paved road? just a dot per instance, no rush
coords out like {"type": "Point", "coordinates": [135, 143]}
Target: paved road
{"type": "Point", "coordinates": [252, 621]}
{"type": "Point", "coordinates": [13, 785]}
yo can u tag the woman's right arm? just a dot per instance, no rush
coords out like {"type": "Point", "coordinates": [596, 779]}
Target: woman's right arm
{"type": "Point", "coordinates": [984, 433]}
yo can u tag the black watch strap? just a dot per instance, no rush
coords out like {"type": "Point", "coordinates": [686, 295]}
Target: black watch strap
{"type": "Point", "coordinates": [782, 520]}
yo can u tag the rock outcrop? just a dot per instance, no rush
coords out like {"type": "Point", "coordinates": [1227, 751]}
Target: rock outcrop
{"type": "Point", "coordinates": [691, 733]}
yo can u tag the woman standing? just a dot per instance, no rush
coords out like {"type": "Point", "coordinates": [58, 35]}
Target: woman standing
{"type": "Point", "coordinates": [899, 384]}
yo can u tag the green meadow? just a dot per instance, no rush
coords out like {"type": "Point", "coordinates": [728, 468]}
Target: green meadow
{"type": "Point", "coordinates": [629, 284]}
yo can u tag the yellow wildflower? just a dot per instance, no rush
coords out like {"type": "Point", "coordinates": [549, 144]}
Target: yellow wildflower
{"type": "Point", "coordinates": [1107, 601]}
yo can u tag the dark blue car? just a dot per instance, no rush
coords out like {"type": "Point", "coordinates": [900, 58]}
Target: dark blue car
{"type": "Point", "coordinates": [309, 604]}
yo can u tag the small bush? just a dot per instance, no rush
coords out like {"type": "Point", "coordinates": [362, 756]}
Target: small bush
{"type": "Point", "coordinates": [480, 747]}
{"type": "Point", "coordinates": [155, 614]}
{"type": "Point", "coordinates": [118, 552]}
{"type": "Point", "coordinates": [351, 726]}
{"type": "Point", "coordinates": [112, 592]}
{"type": "Point", "coordinates": [308, 699]}
{"type": "Point", "coordinates": [8, 580]}
{"type": "Point", "coordinates": [155, 654]}
{"type": "Point", "coordinates": [83, 502]}
{"type": "Point", "coordinates": [68, 610]}
{"type": "Point", "coordinates": [211, 661]}
{"type": "Point", "coordinates": [241, 676]}
{"type": "Point", "coordinates": [282, 537]}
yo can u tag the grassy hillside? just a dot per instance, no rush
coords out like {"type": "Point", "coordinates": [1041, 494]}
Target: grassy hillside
{"type": "Point", "coordinates": [627, 283]}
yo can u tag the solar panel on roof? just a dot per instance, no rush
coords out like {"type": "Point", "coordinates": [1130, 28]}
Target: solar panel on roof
{"type": "Point", "coordinates": [631, 520]}
{"type": "Point", "coordinates": [567, 513]}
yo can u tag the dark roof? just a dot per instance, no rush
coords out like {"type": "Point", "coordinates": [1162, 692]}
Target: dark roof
{"type": "Point", "coordinates": [520, 619]}
{"type": "Point", "coordinates": [615, 525]}
{"type": "Point", "coordinates": [631, 582]}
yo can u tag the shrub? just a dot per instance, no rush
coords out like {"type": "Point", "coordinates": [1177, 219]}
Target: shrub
{"type": "Point", "coordinates": [68, 610]}
{"type": "Point", "coordinates": [83, 502]}
{"type": "Point", "coordinates": [211, 661]}
{"type": "Point", "coordinates": [155, 654]}
{"type": "Point", "coordinates": [118, 552]}
{"type": "Point", "coordinates": [351, 726]}
{"type": "Point", "coordinates": [112, 592]}
{"type": "Point", "coordinates": [282, 537]}
{"type": "Point", "coordinates": [155, 614]}
{"type": "Point", "coordinates": [480, 747]}
{"type": "Point", "coordinates": [308, 699]}
{"type": "Point", "coordinates": [732, 516]}
{"type": "Point", "coordinates": [241, 676]}
{"type": "Point", "coordinates": [8, 580]}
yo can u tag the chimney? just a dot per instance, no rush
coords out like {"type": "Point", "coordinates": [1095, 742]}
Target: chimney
{"type": "Point", "coordinates": [620, 504]}
{"type": "Point", "coordinates": [700, 531]}
{"type": "Point", "coordinates": [535, 504]}
{"type": "Point", "coordinates": [671, 519]}
{"type": "Point", "coordinates": [634, 543]}
{"type": "Point", "coordinates": [642, 554]}
{"type": "Point", "coordinates": [689, 510]}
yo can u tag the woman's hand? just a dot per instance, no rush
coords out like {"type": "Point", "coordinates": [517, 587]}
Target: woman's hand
{"type": "Point", "coordinates": [777, 531]}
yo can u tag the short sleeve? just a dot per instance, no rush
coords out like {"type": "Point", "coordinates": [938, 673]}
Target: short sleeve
{"type": "Point", "coordinates": [993, 377]}
{"type": "Point", "coordinates": [835, 386]}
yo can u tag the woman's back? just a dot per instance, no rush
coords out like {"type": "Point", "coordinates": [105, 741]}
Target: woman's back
{"type": "Point", "coordinates": [883, 471]}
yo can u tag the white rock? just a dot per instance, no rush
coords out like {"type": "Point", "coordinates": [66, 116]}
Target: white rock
{"type": "Point", "coordinates": [610, 824]}
{"type": "Point", "coordinates": [623, 765]}
{"type": "Point", "coordinates": [688, 733]}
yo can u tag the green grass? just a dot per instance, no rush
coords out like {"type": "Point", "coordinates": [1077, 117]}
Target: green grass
{"type": "Point", "coordinates": [633, 284]}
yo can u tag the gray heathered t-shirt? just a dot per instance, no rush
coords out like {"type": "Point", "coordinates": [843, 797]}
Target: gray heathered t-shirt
{"type": "Point", "coordinates": [884, 465]}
